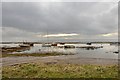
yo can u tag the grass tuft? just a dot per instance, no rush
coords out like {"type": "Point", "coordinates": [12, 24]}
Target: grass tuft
{"type": "Point", "coordinates": [40, 70]}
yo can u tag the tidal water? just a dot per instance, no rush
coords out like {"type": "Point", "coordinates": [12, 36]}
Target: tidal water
{"type": "Point", "coordinates": [105, 52]}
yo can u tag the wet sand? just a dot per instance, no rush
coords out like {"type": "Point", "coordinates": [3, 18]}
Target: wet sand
{"type": "Point", "coordinates": [71, 59]}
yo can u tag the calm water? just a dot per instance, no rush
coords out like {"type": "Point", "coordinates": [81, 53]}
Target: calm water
{"type": "Point", "coordinates": [105, 52]}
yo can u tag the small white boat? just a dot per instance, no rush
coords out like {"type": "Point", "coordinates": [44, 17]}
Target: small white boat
{"type": "Point", "coordinates": [60, 46]}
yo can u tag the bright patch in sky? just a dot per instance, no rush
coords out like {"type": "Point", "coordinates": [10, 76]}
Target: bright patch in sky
{"type": "Point", "coordinates": [60, 35]}
{"type": "Point", "coordinates": [64, 21]}
{"type": "Point", "coordinates": [109, 34]}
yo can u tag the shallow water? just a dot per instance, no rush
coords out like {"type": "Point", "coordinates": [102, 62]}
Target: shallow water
{"type": "Point", "coordinates": [105, 52]}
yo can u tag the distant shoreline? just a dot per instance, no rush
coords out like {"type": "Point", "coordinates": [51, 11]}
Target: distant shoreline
{"type": "Point", "coordinates": [58, 42]}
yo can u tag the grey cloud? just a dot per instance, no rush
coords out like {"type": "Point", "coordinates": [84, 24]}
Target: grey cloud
{"type": "Point", "coordinates": [86, 18]}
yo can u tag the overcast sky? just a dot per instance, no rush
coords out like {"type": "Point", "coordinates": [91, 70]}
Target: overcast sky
{"type": "Point", "coordinates": [59, 21]}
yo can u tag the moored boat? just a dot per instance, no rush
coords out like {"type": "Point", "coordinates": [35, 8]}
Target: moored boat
{"type": "Point", "coordinates": [69, 46]}
{"type": "Point", "coordinates": [46, 45]}
{"type": "Point", "coordinates": [24, 45]}
{"type": "Point", "coordinates": [89, 43]}
{"type": "Point", "coordinates": [54, 44]}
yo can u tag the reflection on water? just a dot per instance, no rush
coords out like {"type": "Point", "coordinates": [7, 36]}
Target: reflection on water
{"type": "Point", "coordinates": [105, 52]}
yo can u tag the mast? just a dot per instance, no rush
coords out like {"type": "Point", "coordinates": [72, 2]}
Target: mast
{"type": "Point", "coordinates": [47, 40]}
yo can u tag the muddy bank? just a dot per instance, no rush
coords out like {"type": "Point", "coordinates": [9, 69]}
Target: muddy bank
{"type": "Point", "coordinates": [58, 60]}
{"type": "Point", "coordinates": [19, 48]}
